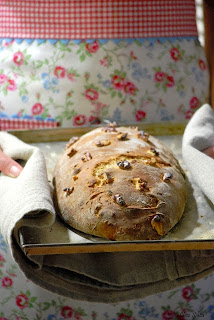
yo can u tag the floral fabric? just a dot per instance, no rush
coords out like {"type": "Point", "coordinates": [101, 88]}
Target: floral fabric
{"type": "Point", "coordinates": [80, 83]}
{"type": "Point", "coordinates": [20, 299]}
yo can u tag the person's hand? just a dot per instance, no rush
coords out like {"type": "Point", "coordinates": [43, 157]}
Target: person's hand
{"type": "Point", "coordinates": [209, 151]}
{"type": "Point", "coordinates": [9, 166]}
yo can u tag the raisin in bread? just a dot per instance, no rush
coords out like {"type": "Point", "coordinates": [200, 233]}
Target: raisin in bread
{"type": "Point", "coordinates": [119, 183]}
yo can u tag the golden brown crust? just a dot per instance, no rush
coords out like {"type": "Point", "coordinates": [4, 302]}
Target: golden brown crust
{"type": "Point", "coordinates": [119, 184]}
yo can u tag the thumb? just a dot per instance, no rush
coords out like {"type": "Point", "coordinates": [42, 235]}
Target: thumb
{"type": "Point", "coordinates": [8, 166]}
{"type": "Point", "coordinates": [209, 152]}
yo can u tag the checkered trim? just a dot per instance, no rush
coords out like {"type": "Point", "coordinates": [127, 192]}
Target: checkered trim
{"type": "Point", "coordinates": [96, 19]}
{"type": "Point", "coordinates": [17, 124]}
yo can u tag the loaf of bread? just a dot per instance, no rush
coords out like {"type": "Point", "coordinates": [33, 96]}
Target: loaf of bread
{"type": "Point", "coordinates": [119, 183]}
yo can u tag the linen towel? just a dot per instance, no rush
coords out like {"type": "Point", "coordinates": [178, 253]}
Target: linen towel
{"type": "Point", "coordinates": [199, 135]}
{"type": "Point", "coordinates": [93, 277]}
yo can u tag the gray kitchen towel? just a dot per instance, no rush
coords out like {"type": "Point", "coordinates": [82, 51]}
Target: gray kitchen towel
{"type": "Point", "coordinates": [199, 135]}
{"type": "Point", "coordinates": [97, 277]}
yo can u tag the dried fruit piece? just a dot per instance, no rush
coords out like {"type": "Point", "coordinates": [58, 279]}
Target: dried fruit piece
{"type": "Point", "coordinates": [150, 162]}
{"type": "Point", "coordinates": [71, 153]}
{"type": "Point", "coordinates": [119, 199]}
{"type": "Point", "coordinates": [167, 176]}
{"type": "Point", "coordinates": [76, 171]}
{"type": "Point", "coordinates": [140, 184]}
{"type": "Point", "coordinates": [97, 209]}
{"type": "Point", "coordinates": [156, 223]}
{"type": "Point", "coordinates": [71, 141]}
{"type": "Point", "coordinates": [124, 164]}
{"type": "Point", "coordinates": [133, 161]}
{"type": "Point", "coordinates": [122, 136]}
{"type": "Point", "coordinates": [109, 178]}
{"type": "Point", "coordinates": [154, 151]}
{"type": "Point", "coordinates": [104, 178]}
{"type": "Point", "coordinates": [86, 157]}
{"type": "Point", "coordinates": [143, 135]}
{"type": "Point", "coordinates": [92, 183]}
{"type": "Point", "coordinates": [143, 185]}
{"type": "Point", "coordinates": [68, 190]}
{"type": "Point", "coordinates": [111, 127]}
{"type": "Point", "coordinates": [102, 143]}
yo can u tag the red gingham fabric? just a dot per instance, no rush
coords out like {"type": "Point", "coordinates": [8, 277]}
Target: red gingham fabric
{"type": "Point", "coordinates": [96, 19]}
{"type": "Point", "coordinates": [17, 124]}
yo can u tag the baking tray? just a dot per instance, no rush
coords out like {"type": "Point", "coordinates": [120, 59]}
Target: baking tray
{"type": "Point", "coordinates": [195, 231]}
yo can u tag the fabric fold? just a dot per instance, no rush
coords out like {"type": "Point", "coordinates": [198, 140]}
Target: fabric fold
{"type": "Point", "coordinates": [28, 196]}
{"type": "Point", "coordinates": [199, 135]}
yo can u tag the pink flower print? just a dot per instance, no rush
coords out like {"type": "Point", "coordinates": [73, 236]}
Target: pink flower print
{"type": "Point", "coordinates": [94, 120]}
{"type": "Point", "coordinates": [67, 312]}
{"type": "Point", "coordinates": [60, 72]}
{"type": "Point", "coordinates": [22, 301]}
{"type": "Point", "coordinates": [170, 81]}
{"type": "Point", "coordinates": [37, 109]}
{"type": "Point", "coordinates": [202, 64]}
{"type": "Point", "coordinates": [188, 114]}
{"type": "Point", "coordinates": [79, 120]}
{"type": "Point", "coordinates": [124, 316]}
{"type": "Point", "coordinates": [140, 115]}
{"type": "Point", "coordinates": [104, 62]}
{"type": "Point", "coordinates": [1, 318]}
{"type": "Point", "coordinates": [168, 315]}
{"type": "Point", "coordinates": [94, 315]}
{"type": "Point", "coordinates": [11, 85]}
{"type": "Point", "coordinates": [7, 282]}
{"type": "Point", "coordinates": [194, 103]}
{"type": "Point", "coordinates": [3, 78]}
{"type": "Point", "coordinates": [92, 47]}
{"type": "Point", "coordinates": [175, 54]}
{"type": "Point", "coordinates": [133, 56]}
{"type": "Point", "coordinates": [2, 260]}
{"type": "Point", "coordinates": [71, 76]}
{"type": "Point", "coordinates": [130, 88]}
{"type": "Point", "coordinates": [7, 44]}
{"type": "Point", "coordinates": [160, 76]}
{"type": "Point", "coordinates": [180, 317]}
{"type": "Point", "coordinates": [86, 75]}
{"type": "Point", "coordinates": [18, 58]}
{"type": "Point", "coordinates": [77, 316]}
{"type": "Point", "coordinates": [188, 293]}
{"type": "Point", "coordinates": [91, 94]}
{"type": "Point", "coordinates": [118, 82]}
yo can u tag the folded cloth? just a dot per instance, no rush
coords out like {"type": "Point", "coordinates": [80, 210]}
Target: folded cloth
{"type": "Point", "coordinates": [28, 196]}
{"type": "Point", "coordinates": [199, 135]}
{"type": "Point", "coordinates": [95, 277]}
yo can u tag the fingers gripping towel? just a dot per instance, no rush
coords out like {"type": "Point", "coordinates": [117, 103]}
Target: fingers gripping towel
{"type": "Point", "coordinates": [25, 197]}
{"type": "Point", "coordinates": [96, 277]}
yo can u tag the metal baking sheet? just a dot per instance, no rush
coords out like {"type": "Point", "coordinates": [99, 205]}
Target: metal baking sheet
{"type": "Point", "coordinates": [195, 231]}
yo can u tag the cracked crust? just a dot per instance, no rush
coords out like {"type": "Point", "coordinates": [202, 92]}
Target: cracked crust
{"type": "Point", "coordinates": [126, 185]}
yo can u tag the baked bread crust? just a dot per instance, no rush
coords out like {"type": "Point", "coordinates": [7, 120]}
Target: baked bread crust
{"type": "Point", "coordinates": [119, 183]}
